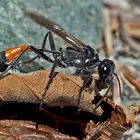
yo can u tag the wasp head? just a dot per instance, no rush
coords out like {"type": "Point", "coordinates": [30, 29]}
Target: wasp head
{"type": "Point", "coordinates": [106, 69]}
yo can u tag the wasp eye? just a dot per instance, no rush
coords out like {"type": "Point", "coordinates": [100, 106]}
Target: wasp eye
{"type": "Point", "coordinates": [104, 72]}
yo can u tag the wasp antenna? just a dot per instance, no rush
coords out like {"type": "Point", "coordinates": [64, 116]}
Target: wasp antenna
{"type": "Point", "coordinates": [118, 83]}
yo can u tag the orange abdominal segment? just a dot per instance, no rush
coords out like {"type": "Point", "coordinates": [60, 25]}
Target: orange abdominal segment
{"type": "Point", "coordinates": [12, 53]}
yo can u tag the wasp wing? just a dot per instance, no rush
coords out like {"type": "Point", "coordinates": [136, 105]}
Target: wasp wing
{"type": "Point", "coordinates": [69, 38]}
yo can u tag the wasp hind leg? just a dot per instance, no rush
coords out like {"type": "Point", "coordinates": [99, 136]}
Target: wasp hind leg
{"type": "Point", "coordinates": [52, 73]}
{"type": "Point", "coordinates": [42, 49]}
{"type": "Point", "coordinates": [50, 80]}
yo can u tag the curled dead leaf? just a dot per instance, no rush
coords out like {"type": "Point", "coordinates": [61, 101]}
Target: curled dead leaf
{"type": "Point", "coordinates": [64, 91]}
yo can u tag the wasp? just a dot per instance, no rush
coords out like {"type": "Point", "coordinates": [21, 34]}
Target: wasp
{"type": "Point", "coordinates": [78, 55]}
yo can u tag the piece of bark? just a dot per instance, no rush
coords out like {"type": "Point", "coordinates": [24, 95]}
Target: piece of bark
{"type": "Point", "coordinates": [22, 130]}
{"type": "Point", "coordinates": [115, 114]}
{"type": "Point", "coordinates": [106, 132]}
{"type": "Point", "coordinates": [120, 120]}
{"type": "Point", "coordinates": [131, 112]}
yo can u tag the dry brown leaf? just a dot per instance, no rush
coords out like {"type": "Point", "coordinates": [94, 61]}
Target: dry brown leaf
{"type": "Point", "coordinates": [64, 91]}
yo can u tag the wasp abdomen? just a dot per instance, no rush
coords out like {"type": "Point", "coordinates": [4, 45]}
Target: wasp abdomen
{"type": "Point", "coordinates": [12, 53]}
{"type": "Point", "coordinates": [3, 60]}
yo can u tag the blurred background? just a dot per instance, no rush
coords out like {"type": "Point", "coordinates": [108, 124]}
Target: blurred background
{"type": "Point", "coordinates": [111, 27]}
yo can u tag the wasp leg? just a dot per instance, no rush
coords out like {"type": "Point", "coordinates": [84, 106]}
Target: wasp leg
{"type": "Point", "coordinates": [44, 43]}
{"type": "Point", "coordinates": [43, 48]}
{"type": "Point", "coordinates": [34, 58]}
{"type": "Point", "coordinates": [41, 54]}
{"type": "Point", "coordinates": [28, 61]}
{"type": "Point", "coordinates": [98, 104]}
{"type": "Point", "coordinates": [51, 40]}
{"type": "Point", "coordinates": [52, 43]}
{"type": "Point", "coordinates": [86, 81]}
{"type": "Point", "coordinates": [51, 77]}
{"type": "Point", "coordinates": [52, 73]}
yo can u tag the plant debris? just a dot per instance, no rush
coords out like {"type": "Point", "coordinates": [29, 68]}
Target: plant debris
{"type": "Point", "coordinates": [62, 111]}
